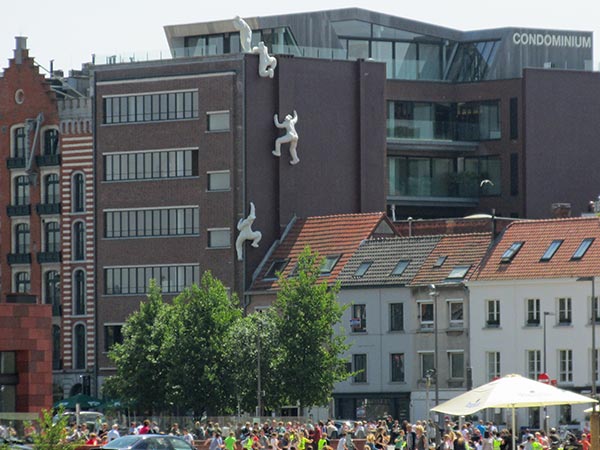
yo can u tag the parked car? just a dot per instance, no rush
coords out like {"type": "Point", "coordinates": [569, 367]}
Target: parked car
{"type": "Point", "coordinates": [148, 442]}
{"type": "Point", "coordinates": [14, 444]}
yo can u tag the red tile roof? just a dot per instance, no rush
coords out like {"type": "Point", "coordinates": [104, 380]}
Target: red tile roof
{"type": "Point", "coordinates": [328, 235]}
{"type": "Point", "coordinates": [459, 250]}
{"type": "Point", "coordinates": [537, 236]}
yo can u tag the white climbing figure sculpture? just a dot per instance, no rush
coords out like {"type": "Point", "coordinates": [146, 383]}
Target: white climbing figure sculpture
{"type": "Point", "coordinates": [245, 34]}
{"type": "Point", "coordinates": [266, 63]}
{"type": "Point", "coordinates": [291, 136]}
{"type": "Point", "coordinates": [244, 226]}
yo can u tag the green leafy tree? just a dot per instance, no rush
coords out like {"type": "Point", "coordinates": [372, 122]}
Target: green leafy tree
{"type": "Point", "coordinates": [197, 379]}
{"type": "Point", "coordinates": [309, 357]}
{"type": "Point", "coordinates": [52, 433]}
{"type": "Point", "coordinates": [142, 368]}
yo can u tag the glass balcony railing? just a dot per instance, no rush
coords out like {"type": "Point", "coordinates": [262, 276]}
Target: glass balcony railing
{"type": "Point", "coordinates": [449, 186]}
{"type": "Point", "coordinates": [440, 130]}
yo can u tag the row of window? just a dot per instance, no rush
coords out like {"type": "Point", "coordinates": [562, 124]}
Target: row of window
{"type": "Point", "coordinates": [150, 165]}
{"type": "Point", "coordinates": [579, 253]}
{"type": "Point", "coordinates": [534, 358]}
{"type": "Point", "coordinates": [152, 222]}
{"type": "Point", "coordinates": [51, 183]}
{"type": "Point", "coordinates": [79, 347]}
{"type": "Point", "coordinates": [19, 142]}
{"type": "Point", "coordinates": [456, 366]}
{"type": "Point", "coordinates": [563, 312]}
{"type": "Point", "coordinates": [151, 107]}
{"type": "Point", "coordinates": [136, 280]}
{"type": "Point", "coordinates": [51, 243]}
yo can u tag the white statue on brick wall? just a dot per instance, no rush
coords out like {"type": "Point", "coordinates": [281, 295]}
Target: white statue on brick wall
{"type": "Point", "coordinates": [266, 63]}
{"type": "Point", "coordinates": [245, 34]}
{"type": "Point", "coordinates": [291, 136]}
{"type": "Point", "coordinates": [244, 226]}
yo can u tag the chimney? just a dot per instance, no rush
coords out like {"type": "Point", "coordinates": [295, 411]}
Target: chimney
{"type": "Point", "coordinates": [21, 46]}
{"type": "Point", "coordinates": [561, 210]}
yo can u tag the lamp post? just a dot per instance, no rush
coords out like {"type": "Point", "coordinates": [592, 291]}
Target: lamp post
{"type": "Point", "coordinates": [594, 419]}
{"type": "Point", "coordinates": [258, 383]}
{"type": "Point", "coordinates": [434, 295]}
{"type": "Point", "coordinates": [545, 370]}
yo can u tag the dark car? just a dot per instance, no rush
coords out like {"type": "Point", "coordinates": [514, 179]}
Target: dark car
{"type": "Point", "coordinates": [148, 442]}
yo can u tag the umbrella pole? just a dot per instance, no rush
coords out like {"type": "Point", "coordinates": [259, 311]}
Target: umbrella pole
{"type": "Point", "coordinates": [514, 429]}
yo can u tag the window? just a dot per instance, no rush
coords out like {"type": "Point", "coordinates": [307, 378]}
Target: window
{"type": "Point", "coordinates": [493, 313]}
{"type": "Point", "coordinates": [514, 174]}
{"type": "Point", "coordinates": [51, 237]}
{"type": "Point", "coordinates": [219, 181]}
{"type": "Point", "coordinates": [426, 314]}
{"type": "Point", "coordinates": [217, 121]}
{"type": "Point", "coordinates": [583, 247]}
{"type": "Point", "coordinates": [51, 142]}
{"type": "Point", "coordinates": [359, 363]}
{"type": "Point", "coordinates": [52, 291]}
{"type": "Point", "coordinates": [79, 299]}
{"type": "Point", "coordinates": [79, 349]}
{"type": "Point", "coordinates": [51, 189]}
{"type": "Point", "coordinates": [22, 238]}
{"type": "Point", "coordinates": [362, 269]}
{"type": "Point", "coordinates": [359, 318]}
{"type": "Point", "coordinates": [400, 268]}
{"type": "Point", "coordinates": [21, 190]}
{"type": "Point", "coordinates": [276, 267]}
{"type": "Point", "coordinates": [511, 252]}
{"type": "Point", "coordinates": [547, 256]}
{"type": "Point", "coordinates": [22, 282]}
{"type": "Point", "coordinates": [565, 366]}
{"type": "Point", "coordinates": [397, 365]}
{"type": "Point", "coordinates": [178, 221]}
{"type": "Point", "coordinates": [136, 280]}
{"type": "Point", "coordinates": [329, 263]}
{"type": "Point", "coordinates": [534, 364]}
{"type": "Point", "coordinates": [458, 272]}
{"type": "Point", "coordinates": [78, 198]}
{"type": "Point", "coordinates": [150, 165]}
{"type": "Point", "coordinates": [56, 346]}
{"type": "Point", "coordinates": [219, 238]}
{"type": "Point", "coordinates": [514, 118]}
{"type": "Point", "coordinates": [533, 311]}
{"type": "Point", "coordinates": [112, 335]}
{"type": "Point", "coordinates": [79, 241]}
{"type": "Point", "coordinates": [595, 305]}
{"type": "Point", "coordinates": [19, 150]}
{"type": "Point", "coordinates": [150, 107]}
{"type": "Point", "coordinates": [426, 360]}
{"type": "Point", "coordinates": [564, 311]}
{"type": "Point", "coordinates": [455, 314]}
{"type": "Point", "coordinates": [440, 261]}
{"type": "Point", "coordinates": [397, 317]}
{"type": "Point", "coordinates": [493, 365]}
{"type": "Point", "coordinates": [456, 361]}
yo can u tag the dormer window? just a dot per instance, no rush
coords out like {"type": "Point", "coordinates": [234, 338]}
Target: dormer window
{"type": "Point", "coordinates": [362, 269]}
{"type": "Point", "coordinates": [400, 267]}
{"type": "Point", "coordinates": [276, 267]}
{"type": "Point", "coordinates": [511, 252]}
{"type": "Point", "coordinates": [440, 261]}
{"type": "Point", "coordinates": [329, 263]}
{"type": "Point", "coordinates": [551, 250]}
{"type": "Point", "coordinates": [458, 272]}
{"type": "Point", "coordinates": [583, 247]}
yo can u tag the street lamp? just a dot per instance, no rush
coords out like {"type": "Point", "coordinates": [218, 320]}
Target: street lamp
{"type": "Point", "coordinates": [434, 295]}
{"type": "Point", "coordinates": [546, 314]}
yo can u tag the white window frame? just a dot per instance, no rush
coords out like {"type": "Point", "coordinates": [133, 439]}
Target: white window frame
{"type": "Point", "coordinates": [427, 324]}
{"type": "Point", "coordinates": [532, 307]}
{"type": "Point", "coordinates": [455, 323]}
{"type": "Point", "coordinates": [533, 363]}
{"type": "Point", "coordinates": [493, 365]}
{"type": "Point", "coordinates": [492, 314]}
{"type": "Point", "coordinates": [565, 310]}
{"type": "Point", "coordinates": [565, 366]}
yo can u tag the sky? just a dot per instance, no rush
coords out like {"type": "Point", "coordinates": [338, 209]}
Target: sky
{"type": "Point", "coordinates": [70, 31]}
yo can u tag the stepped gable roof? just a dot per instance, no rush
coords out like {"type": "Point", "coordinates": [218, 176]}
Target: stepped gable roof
{"type": "Point", "coordinates": [537, 236]}
{"type": "Point", "coordinates": [331, 236]}
{"type": "Point", "coordinates": [393, 261]}
{"type": "Point", "coordinates": [453, 260]}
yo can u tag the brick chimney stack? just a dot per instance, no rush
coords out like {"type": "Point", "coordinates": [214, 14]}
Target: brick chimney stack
{"type": "Point", "coordinates": [20, 48]}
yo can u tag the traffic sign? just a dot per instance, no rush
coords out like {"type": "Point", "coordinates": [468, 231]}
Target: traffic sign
{"type": "Point", "coordinates": [544, 378]}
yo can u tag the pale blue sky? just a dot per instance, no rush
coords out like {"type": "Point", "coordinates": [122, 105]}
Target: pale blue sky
{"type": "Point", "coordinates": [69, 31]}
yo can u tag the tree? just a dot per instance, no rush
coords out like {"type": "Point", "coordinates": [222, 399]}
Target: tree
{"type": "Point", "coordinates": [141, 364]}
{"type": "Point", "coordinates": [310, 351]}
{"type": "Point", "coordinates": [52, 433]}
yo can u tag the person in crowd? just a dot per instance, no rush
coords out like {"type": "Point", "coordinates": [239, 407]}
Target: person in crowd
{"type": "Point", "coordinates": [93, 439]}
{"type": "Point", "coordinates": [113, 433]}
{"type": "Point", "coordinates": [145, 427]}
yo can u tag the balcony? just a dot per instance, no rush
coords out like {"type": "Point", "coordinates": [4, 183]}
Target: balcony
{"type": "Point", "coordinates": [49, 257]}
{"type": "Point", "coordinates": [18, 210]}
{"type": "Point", "coordinates": [48, 208]}
{"type": "Point", "coordinates": [48, 160]}
{"type": "Point", "coordinates": [21, 298]}
{"type": "Point", "coordinates": [19, 258]}
{"type": "Point", "coordinates": [15, 163]}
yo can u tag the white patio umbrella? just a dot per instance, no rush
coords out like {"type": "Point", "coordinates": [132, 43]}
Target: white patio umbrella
{"type": "Point", "coordinates": [511, 391]}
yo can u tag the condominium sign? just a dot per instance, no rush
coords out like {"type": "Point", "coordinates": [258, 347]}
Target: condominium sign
{"type": "Point", "coordinates": [552, 40]}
